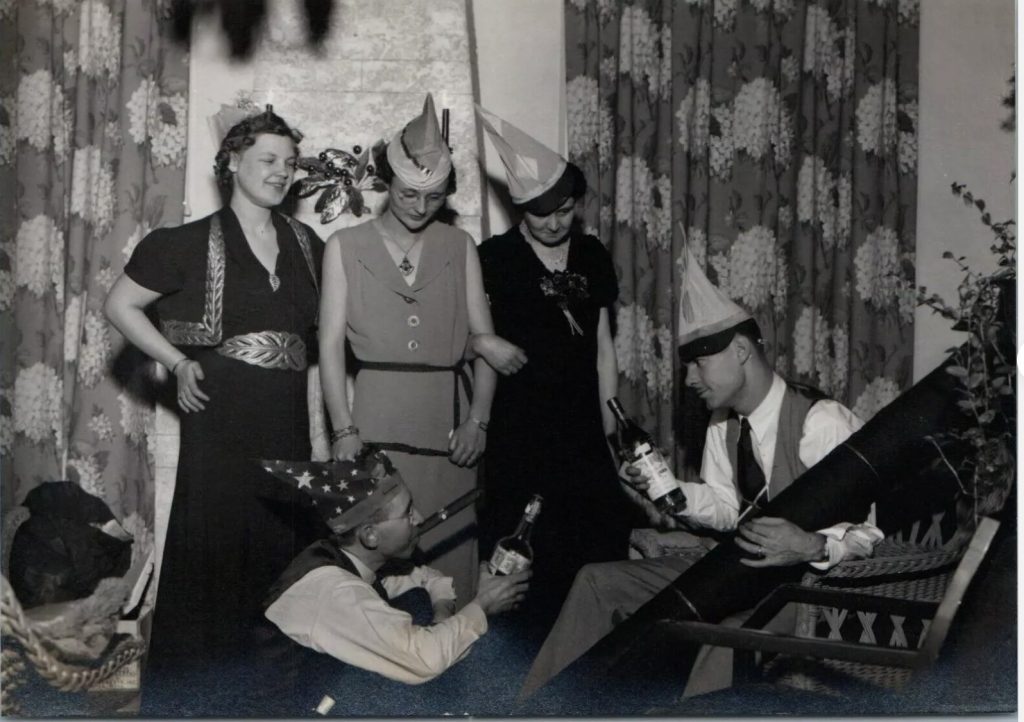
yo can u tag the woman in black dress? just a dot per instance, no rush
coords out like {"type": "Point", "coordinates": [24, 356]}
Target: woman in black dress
{"type": "Point", "coordinates": [550, 287]}
{"type": "Point", "coordinates": [236, 295]}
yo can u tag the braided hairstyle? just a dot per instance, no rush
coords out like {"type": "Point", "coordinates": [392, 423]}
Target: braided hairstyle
{"type": "Point", "coordinates": [242, 135]}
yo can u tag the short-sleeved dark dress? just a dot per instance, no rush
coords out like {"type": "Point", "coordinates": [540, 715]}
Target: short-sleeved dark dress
{"type": "Point", "coordinates": [545, 434]}
{"type": "Point", "coordinates": [232, 528]}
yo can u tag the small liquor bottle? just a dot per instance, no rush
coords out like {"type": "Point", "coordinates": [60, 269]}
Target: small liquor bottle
{"type": "Point", "coordinates": [513, 554]}
{"type": "Point", "coordinates": [640, 450]}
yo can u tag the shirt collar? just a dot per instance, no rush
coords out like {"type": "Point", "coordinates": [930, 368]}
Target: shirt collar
{"type": "Point", "coordinates": [365, 573]}
{"type": "Point", "coordinates": [766, 412]}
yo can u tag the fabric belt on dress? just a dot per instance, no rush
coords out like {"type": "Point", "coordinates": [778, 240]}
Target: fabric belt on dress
{"type": "Point", "coordinates": [267, 349]}
{"type": "Point", "coordinates": [459, 374]}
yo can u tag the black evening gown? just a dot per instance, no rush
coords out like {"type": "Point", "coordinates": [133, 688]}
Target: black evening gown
{"type": "Point", "coordinates": [545, 434]}
{"type": "Point", "coordinates": [232, 528]}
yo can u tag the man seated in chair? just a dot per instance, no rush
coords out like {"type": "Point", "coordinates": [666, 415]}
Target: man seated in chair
{"type": "Point", "coordinates": [331, 600]}
{"type": "Point", "coordinates": [763, 433]}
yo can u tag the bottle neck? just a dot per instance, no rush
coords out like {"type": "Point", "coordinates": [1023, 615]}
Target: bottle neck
{"type": "Point", "coordinates": [618, 412]}
{"type": "Point", "coordinates": [525, 528]}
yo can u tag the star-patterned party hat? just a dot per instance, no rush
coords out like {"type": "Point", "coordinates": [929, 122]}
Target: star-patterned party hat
{"type": "Point", "coordinates": [418, 154]}
{"type": "Point", "coordinates": [708, 319]}
{"type": "Point", "coordinates": [344, 493]}
{"type": "Point", "coordinates": [538, 177]}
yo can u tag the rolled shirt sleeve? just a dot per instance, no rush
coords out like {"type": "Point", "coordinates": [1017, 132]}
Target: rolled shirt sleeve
{"type": "Point", "coordinates": [332, 612]}
{"type": "Point", "coordinates": [848, 541]}
{"type": "Point", "coordinates": [436, 584]}
{"type": "Point", "coordinates": [827, 425]}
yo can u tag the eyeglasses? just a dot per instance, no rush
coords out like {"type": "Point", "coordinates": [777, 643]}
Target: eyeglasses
{"type": "Point", "coordinates": [410, 515]}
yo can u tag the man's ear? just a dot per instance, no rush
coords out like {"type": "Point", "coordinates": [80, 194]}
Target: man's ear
{"type": "Point", "coordinates": [368, 536]}
{"type": "Point", "coordinates": [741, 346]}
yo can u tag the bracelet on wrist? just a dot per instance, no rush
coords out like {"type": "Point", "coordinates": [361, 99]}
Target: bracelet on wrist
{"type": "Point", "coordinates": [478, 422]}
{"type": "Point", "coordinates": [174, 368]}
{"type": "Point", "coordinates": [339, 434]}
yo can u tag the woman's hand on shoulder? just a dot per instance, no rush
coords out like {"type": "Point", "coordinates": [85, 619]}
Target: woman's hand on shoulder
{"type": "Point", "coordinates": [503, 356]}
{"type": "Point", "coordinates": [190, 397]}
{"type": "Point", "coordinates": [467, 443]}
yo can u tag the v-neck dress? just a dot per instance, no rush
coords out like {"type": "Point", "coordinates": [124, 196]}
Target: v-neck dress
{"type": "Point", "coordinates": [412, 386]}
{"type": "Point", "coordinates": [232, 528]}
{"type": "Point", "coordinates": [546, 435]}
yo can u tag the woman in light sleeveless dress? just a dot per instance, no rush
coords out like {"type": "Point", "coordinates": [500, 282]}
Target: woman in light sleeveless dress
{"type": "Point", "coordinates": [406, 292]}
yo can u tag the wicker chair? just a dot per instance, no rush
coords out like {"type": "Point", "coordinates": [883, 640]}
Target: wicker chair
{"type": "Point", "coordinates": [16, 625]}
{"type": "Point", "coordinates": [871, 622]}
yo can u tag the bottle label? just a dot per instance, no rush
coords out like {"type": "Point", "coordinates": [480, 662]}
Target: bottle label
{"type": "Point", "coordinates": [660, 479]}
{"type": "Point", "coordinates": [505, 562]}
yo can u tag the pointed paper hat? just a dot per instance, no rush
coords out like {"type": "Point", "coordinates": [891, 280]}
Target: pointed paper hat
{"type": "Point", "coordinates": [708, 319]}
{"type": "Point", "coordinates": [344, 493]}
{"type": "Point", "coordinates": [231, 115]}
{"type": "Point", "coordinates": [418, 154]}
{"type": "Point", "coordinates": [534, 171]}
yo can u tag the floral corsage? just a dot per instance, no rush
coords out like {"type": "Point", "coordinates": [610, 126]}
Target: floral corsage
{"type": "Point", "coordinates": [341, 178]}
{"type": "Point", "coordinates": [563, 287]}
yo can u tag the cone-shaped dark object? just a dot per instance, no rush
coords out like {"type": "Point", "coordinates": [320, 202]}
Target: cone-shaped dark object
{"type": "Point", "coordinates": [890, 454]}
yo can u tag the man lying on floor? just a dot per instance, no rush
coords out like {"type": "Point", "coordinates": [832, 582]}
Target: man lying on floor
{"type": "Point", "coordinates": [331, 600]}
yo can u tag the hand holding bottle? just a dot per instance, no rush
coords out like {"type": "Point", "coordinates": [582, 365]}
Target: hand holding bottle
{"type": "Point", "coordinates": [634, 477]}
{"type": "Point", "coordinates": [496, 594]}
{"type": "Point", "coordinates": [634, 485]}
{"type": "Point", "coordinates": [639, 449]}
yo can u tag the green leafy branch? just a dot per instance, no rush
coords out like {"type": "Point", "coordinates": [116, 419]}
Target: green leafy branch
{"type": "Point", "coordinates": [985, 376]}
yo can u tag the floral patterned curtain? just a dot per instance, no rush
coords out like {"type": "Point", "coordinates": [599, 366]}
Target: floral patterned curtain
{"type": "Point", "coordinates": [781, 137]}
{"type": "Point", "coordinates": [92, 154]}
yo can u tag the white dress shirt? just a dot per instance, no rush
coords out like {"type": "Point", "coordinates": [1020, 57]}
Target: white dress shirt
{"type": "Point", "coordinates": [338, 613]}
{"type": "Point", "coordinates": [828, 423]}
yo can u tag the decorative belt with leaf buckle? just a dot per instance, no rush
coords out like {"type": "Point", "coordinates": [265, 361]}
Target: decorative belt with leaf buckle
{"type": "Point", "coordinates": [267, 349]}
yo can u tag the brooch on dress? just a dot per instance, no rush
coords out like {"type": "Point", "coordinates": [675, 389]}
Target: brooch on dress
{"type": "Point", "coordinates": [563, 287]}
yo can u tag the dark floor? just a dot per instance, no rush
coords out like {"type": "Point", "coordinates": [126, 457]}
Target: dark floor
{"type": "Point", "coordinates": [976, 673]}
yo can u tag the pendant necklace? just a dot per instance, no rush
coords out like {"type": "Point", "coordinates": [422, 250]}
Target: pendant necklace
{"type": "Point", "coordinates": [275, 282]}
{"type": "Point", "coordinates": [405, 266]}
{"type": "Point", "coordinates": [554, 258]}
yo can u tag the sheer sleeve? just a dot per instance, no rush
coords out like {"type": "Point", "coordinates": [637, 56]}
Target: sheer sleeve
{"type": "Point", "coordinates": [604, 282]}
{"type": "Point", "coordinates": [490, 267]}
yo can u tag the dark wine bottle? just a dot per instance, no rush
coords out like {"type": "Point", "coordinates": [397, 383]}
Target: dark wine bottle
{"type": "Point", "coordinates": [640, 450]}
{"type": "Point", "coordinates": [513, 554]}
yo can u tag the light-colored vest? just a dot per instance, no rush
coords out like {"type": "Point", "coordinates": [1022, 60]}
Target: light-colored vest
{"type": "Point", "coordinates": [796, 402]}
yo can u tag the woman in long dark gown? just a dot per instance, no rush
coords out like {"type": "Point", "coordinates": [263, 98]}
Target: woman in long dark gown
{"type": "Point", "coordinates": [550, 287]}
{"type": "Point", "coordinates": [236, 294]}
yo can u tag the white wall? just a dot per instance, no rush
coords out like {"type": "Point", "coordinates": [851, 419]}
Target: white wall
{"type": "Point", "coordinates": [521, 74]}
{"type": "Point", "coordinates": [967, 55]}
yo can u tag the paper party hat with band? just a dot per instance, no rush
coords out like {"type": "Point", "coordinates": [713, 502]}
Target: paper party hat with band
{"type": "Point", "coordinates": [419, 154]}
{"type": "Point", "coordinates": [531, 168]}
{"type": "Point", "coordinates": [708, 318]}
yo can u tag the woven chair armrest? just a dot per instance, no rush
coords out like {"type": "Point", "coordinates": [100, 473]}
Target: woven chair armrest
{"type": "Point", "coordinates": [65, 677]}
{"type": "Point", "coordinates": [915, 559]}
